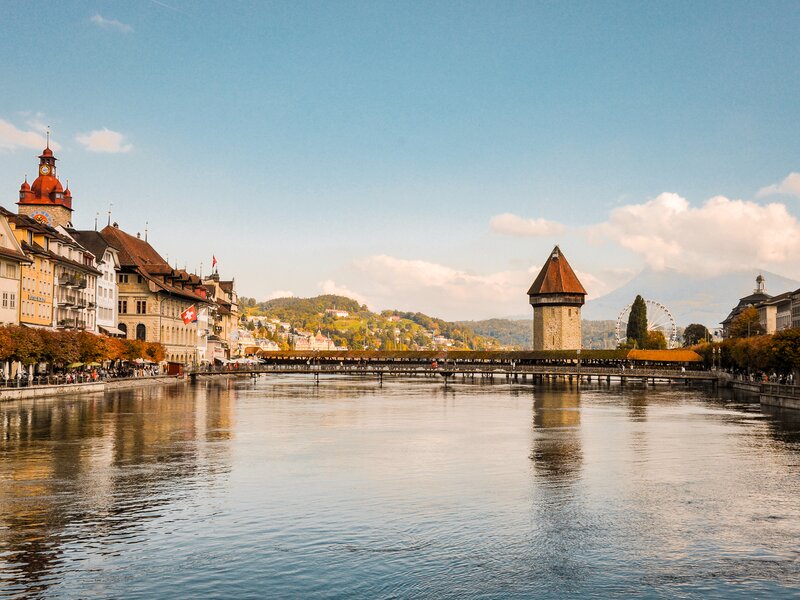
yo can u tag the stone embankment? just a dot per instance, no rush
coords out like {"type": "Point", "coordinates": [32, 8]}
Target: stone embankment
{"type": "Point", "coordinates": [91, 387]}
{"type": "Point", "coordinates": [783, 396]}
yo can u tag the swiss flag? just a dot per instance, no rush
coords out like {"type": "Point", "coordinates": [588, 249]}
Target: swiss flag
{"type": "Point", "coordinates": [213, 261]}
{"type": "Point", "coordinates": [189, 315]}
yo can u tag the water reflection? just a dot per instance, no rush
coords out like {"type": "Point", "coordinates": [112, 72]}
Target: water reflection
{"type": "Point", "coordinates": [280, 487]}
{"type": "Point", "coordinates": [557, 452]}
{"type": "Point", "coordinates": [93, 468]}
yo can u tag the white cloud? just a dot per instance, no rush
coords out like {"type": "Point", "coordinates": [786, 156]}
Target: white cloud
{"type": "Point", "coordinates": [788, 187]}
{"type": "Point", "coordinates": [440, 290]}
{"type": "Point", "coordinates": [443, 291]}
{"type": "Point", "coordinates": [104, 140]}
{"type": "Point", "coordinates": [718, 236]}
{"type": "Point", "coordinates": [511, 224]}
{"type": "Point", "coordinates": [329, 286]}
{"type": "Point", "coordinates": [101, 21]}
{"type": "Point", "coordinates": [11, 137]}
{"type": "Point", "coordinates": [280, 294]}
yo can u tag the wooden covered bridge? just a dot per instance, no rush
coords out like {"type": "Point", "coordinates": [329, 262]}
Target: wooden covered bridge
{"type": "Point", "coordinates": [647, 366]}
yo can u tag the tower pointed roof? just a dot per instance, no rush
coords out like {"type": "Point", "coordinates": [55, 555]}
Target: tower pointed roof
{"type": "Point", "coordinates": [556, 277]}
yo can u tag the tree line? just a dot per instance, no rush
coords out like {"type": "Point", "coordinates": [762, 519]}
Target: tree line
{"type": "Point", "coordinates": [63, 347]}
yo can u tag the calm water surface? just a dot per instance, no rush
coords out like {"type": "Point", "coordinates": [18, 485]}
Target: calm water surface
{"type": "Point", "coordinates": [281, 488]}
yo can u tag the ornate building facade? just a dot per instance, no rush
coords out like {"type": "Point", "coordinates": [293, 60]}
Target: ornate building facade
{"type": "Point", "coordinates": [152, 296]}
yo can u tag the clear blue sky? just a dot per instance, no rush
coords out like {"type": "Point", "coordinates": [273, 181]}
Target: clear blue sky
{"type": "Point", "coordinates": [368, 146]}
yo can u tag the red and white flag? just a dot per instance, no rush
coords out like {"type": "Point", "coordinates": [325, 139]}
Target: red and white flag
{"type": "Point", "coordinates": [213, 261]}
{"type": "Point", "coordinates": [189, 315]}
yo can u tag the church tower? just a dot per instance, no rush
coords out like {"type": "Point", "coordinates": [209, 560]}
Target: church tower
{"type": "Point", "coordinates": [46, 200]}
{"type": "Point", "coordinates": [556, 296]}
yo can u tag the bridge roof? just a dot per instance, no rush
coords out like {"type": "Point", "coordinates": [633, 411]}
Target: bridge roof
{"type": "Point", "coordinates": [678, 355]}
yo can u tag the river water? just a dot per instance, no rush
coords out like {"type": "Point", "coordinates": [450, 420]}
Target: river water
{"type": "Point", "coordinates": [279, 488]}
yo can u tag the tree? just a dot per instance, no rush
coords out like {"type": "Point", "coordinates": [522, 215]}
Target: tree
{"type": "Point", "coordinates": [746, 324]}
{"type": "Point", "coordinates": [637, 323]}
{"type": "Point", "coordinates": [155, 352]}
{"type": "Point", "coordinates": [786, 351]}
{"type": "Point", "coordinates": [694, 334]}
{"type": "Point", "coordinates": [6, 344]}
{"type": "Point", "coordinates": [27, 345]}
{"type": "Point", "coordinates": [114, 349]}
{"type": "Point", "coordinates": [133, 349]}
{"type": "Point", "coordinates": [656, 340]}
{"type": "Point", "coordinates": [60, 347]}
{"type": "Point", "coordinates": [91, 347]}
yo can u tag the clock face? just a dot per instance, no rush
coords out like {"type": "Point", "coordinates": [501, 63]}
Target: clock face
{"type": "Point", "coordinates": [44, 170]}
{"type": "Point", "coordinates": [42, 217]}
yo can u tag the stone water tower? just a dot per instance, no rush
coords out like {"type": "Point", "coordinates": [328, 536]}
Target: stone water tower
{"type": "Point", "coordinates": [556, 296]}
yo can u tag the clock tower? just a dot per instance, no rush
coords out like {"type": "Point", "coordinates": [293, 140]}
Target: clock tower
{"type": "Point", "coordinates": [46, 200]}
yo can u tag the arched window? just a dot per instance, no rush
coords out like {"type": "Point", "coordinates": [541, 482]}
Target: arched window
{"type": "Point", "coordinates": [141, 332]}
{"type": "Point", "coordinates": [123, 328]}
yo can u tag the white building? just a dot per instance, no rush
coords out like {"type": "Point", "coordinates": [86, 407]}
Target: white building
{"type": "Point", "coordinates": [75, 284]}
{"type": "Point", "coordinates": [107, 262]}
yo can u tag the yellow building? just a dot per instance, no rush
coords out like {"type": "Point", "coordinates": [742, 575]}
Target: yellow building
{"type": "Point", "coordinates": [36, 277]}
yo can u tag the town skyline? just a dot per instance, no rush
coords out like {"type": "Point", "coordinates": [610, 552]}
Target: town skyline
{"type": "Point", "coordinates": [410, 157]}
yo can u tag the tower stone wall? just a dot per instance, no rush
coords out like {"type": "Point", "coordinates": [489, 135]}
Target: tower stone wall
{"type": "Point", "coordinates": [556, 327]}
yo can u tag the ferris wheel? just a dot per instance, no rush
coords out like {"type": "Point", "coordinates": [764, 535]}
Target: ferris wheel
{"type": "Point", "coordinates": [658, 319]}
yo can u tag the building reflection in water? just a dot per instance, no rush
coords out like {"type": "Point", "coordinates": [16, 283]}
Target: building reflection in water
{"type": "Point", "coordinates": [97, 467]}
{"type": "Point", "coordinates": [557, 453]}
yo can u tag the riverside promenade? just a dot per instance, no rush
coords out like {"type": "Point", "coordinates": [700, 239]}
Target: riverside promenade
{"type": "Point", "coordinates": [44, 387]}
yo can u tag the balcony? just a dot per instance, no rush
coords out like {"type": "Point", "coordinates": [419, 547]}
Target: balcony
{"type": "Point", "coordinates": [66, 301]}
{"type": "Point", "coordinates": [72, 281]}
{"type": "Point", "coordinates": [80, 283]}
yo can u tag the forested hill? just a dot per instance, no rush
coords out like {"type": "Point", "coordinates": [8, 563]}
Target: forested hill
{"type": "Point", "coordinates": [361, 328]}
{"type": "Point", "coordinates": [299, 309]}
{"type": "Point", "coordinates": [394, 329]}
